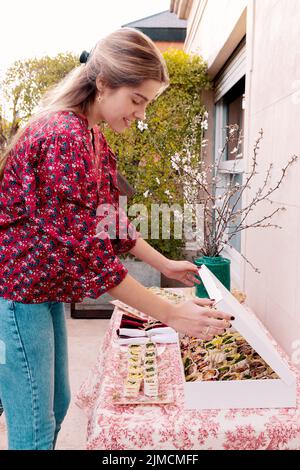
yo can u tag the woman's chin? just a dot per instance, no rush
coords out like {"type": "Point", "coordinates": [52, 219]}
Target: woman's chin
{"type": "Point", "coordinates": [119, 129]}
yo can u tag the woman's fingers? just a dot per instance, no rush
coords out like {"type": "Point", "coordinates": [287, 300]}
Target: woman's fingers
{"type": "Point", "coordinates": [208, 332]}
{"type": "Point", "coordinates": [215, 318]}
{"type": "Point", "coordinates": [187, 282]}
{"type": "Point", "coordinates": [210, 335]}
{"type": "Point", "coordinates": [193, 272]}
{"type": "Point", "coordinates": [219, 315]}
{"type": "Point", "coordinates": [204, 302]}
{"type": "Point", "coordinates": [215, 331]}
{"type": "Point", "coordinates": [220, 324]}
{"type": "Point", "coordinates": [212, 313]}
{"type": "Point", "coordinates": [195, 318]}
{"type": "Point", "coordinates": [192, 267]}
{"type": "Point", "coordinates": [191, 279]}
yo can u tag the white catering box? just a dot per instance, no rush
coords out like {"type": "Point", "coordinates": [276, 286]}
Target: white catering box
{"type": "Point", "coordinates": [267, 393]}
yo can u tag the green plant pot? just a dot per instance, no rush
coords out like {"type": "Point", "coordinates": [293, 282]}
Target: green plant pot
{"type": "Point", "coordinates": [219, 266]}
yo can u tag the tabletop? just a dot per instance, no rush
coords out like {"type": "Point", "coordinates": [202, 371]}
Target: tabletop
{"type": "Point", "coordinates": [170, 426]}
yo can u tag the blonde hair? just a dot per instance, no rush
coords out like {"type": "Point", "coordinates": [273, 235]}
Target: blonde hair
{"type": "Point", "coordinates": [125, 57]}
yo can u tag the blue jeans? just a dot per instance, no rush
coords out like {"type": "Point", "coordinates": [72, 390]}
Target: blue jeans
{"type": "Point", "coordinates": [34, 383]}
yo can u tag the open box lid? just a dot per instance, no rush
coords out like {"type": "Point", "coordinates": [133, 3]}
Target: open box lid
{"type": "Point", "coordinates": [246, 324]}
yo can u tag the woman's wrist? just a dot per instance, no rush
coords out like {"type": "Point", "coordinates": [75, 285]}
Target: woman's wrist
{"type": "Point", "coordinates": [166, 266]}
{"type": "Point", "coordinates": [149, 255]}
{"type": "Point", "coordinates": [137, 296]}
{"type": "Point", "coordinates": [167, 313]}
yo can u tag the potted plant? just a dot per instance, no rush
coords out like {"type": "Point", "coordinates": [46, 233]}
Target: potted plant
{"type": "Point", "coordinates": [224, 216]}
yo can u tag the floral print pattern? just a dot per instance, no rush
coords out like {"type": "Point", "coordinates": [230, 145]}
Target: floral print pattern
{"type": "Point", "coordinates": [170, 426]}
{"type": "Point", "coordinates": [54, 182]}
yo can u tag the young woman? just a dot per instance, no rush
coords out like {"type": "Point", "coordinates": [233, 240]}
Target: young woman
{"type": "Point", "coordinates": [55, 174]}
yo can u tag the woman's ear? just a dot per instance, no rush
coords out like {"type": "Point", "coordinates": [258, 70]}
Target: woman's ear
{"type": "Point", "coordinates": [100, 85]}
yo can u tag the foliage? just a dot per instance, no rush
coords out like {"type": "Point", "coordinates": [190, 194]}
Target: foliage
{"type": "Point", "coordinates": [23, 86]}
{"type": "Point", "coordinates": [6, 129]}
{"type": "Point", "coordinates": [26, 81]}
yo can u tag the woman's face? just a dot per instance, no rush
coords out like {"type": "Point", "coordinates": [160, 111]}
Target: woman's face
{"type": "Point", "coordinates": [118, 108]}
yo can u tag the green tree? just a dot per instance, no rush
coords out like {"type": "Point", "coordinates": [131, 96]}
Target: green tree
{"type": "Point", "coordinates": [24, 84]}
{"type": "Point", "coordinates": [5, 129]}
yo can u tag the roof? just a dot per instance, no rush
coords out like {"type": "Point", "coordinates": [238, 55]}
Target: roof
{"type": "Point", "coordinates": [164, 19]}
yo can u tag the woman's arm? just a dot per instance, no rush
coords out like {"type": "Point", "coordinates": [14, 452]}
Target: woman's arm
{"type": "Point", "coordinates": [143, 251]}
{"type": "Point", "coordinates": [191, 317]}
{"type": "Point", "coordinates": [183, 271]}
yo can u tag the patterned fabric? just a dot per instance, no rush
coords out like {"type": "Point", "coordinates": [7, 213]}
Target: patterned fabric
{"type": "Point", "coordinates": [53, 183]}
{"type": "Point", "coordinates": [170, 426]}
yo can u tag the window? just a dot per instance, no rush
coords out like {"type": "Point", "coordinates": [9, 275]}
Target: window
{"type": "Point", "coordinates": [234, 112]}
{"type": "Point", "coordinates": [230, 110]}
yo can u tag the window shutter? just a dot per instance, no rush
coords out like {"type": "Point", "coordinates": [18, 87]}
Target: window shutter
{"type": "Point", "coordinates": [232, 72]}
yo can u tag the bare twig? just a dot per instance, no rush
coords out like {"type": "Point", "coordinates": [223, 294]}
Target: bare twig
{"type": "Point", "coordinates": [224, 214]}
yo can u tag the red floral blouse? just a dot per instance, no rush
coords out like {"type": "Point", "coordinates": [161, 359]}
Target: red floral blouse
{"type": "Point", "coordinates": [54, 181]}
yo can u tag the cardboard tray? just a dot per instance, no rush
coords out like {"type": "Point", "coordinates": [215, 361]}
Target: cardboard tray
{"type": "Point", "coordinates": [267, 393]}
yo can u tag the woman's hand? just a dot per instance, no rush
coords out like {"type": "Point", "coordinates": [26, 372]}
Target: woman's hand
{"type": "Point", "coordinates": [182, 271]}
{"type": "Point", "coordinates": [194, 318]}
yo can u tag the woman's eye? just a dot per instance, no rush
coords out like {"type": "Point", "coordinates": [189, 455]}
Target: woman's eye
{"type": "Point", "coordinates": [135, 102]}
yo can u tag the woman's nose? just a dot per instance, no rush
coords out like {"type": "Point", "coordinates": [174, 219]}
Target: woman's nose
{"type": "Point", "coordinates": [141, 114]}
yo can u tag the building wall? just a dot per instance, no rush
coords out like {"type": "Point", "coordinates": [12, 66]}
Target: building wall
{"type": "Point", "coordinates": [273, 104]}
{"type": "Point", "coordinates": [164, 45]}
{"type": "Point", "coordinates": [214, 29]}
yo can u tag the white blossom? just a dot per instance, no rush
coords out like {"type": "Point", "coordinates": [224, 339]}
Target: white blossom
{"type": "Point", "coordinates": [157, 180]}
{"type": "Point", "coordinates": [204, 125]}
{"type": "Point", "coordinates": [167, 192]}
{"type": "Point", "coordinates": [146, 193]}
{"type": "Point", "coordinates": [175, 158]}
{"type": "Point", "coordinates": [201, 177]}
{"type": "Point", "coordinates": [142, 125]}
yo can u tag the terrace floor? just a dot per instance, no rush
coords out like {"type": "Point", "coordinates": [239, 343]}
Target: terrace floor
{"type": "Point", "coordinates": [85, 338]}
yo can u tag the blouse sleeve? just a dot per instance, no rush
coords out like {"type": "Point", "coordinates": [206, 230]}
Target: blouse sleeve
{"type": "Point", "coordinates": [69, 218]}
{"type": "Point", "coordinates": [126, 233]}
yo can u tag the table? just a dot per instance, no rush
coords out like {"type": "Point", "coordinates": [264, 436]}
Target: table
{"type": "Point", "coordinates": [170, 427]}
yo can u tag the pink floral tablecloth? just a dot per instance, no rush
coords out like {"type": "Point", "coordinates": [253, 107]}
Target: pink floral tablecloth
{"type": "Point", "coordinates": [170, 426]}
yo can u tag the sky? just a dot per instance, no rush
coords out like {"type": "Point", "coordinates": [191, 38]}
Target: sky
{"type": "Point", "coordinates": [33, 28]}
